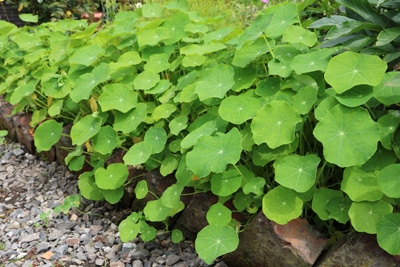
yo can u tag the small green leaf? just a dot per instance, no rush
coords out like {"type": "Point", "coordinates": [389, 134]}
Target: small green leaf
{"type": "Point", "coordinates": [314, 61]}
{"type": "Point", "coordinates": [47, 134]}
{"type": "Point", "coordinates": [155, 211]}
{"type": "Point", "coordinates": [148, 232]}
{"type": "Point", "coordinates": [387, 35]}
{"type": "Point", "coordinates": [282, 205]}
{"type": "Point", "coordinates": [216, 82]}
{"type": "Point", "coordinates": [255, 186]}
{"type": "Point", "coordinates": [128, 122]}
{"type": "Point", "coordinates": [157, 138]}
{"type": "Point", "coordinates": [152, 10]}
{"type": "Point", "coordinates": [152, 37]}
{"type": "Point", "coordinates": [178, 124]}
{"type": "Point", "coordinates": [357, 96]}
{"type": "Point", "coordinates": [146, 80]}
{"type": "Point", "coordinates": [168, 165]}
{"type": "Point", "coordinates": [249, 52]}
{"type": "Point", "coordinates": [297, 172]}
{"type": "Point", "coordinates": [86, 55]}
{"type": "Point", "coordinates": [117, 96]}
{"type": "Point", "coordinates": [176, 236]}
{"type": "Point", "coordinates": [388, 233]}
{"type": "Point", "coordinates": [350, 69]}
{"type": "Point", "coordinates": [111, 178]}
{"type": "Point", "coordinates": [226, 183]}
{"type": "Point", "coordinates": [365, 216]}
{"type": "Point", "coordinates": [163, 111]}
{"type": "Point", "coordinates": [138, 154]}
{"type": "Point", "coordinates": [113, 196]}
{"type": "Point", "coordinates": [106, 140]}
{"type": "Point", "coordinates": [238, 109]}
{"type": "Point", "coordinates": [214, 241]}
{"type": "Point", "coordinates": [360, 185]}
{"type": "Point", "coordinates": [21, 91]}
{"type": "Point", "coordinates": [128, 230]}
{"type": "Point", "coordinates": [88, 188]}
{"type": "Point", "coordinates": [338, 208]}
{"type": "Point", "coordinates": [141, 189]}
{"type": "Point", "coordinates": [321, 199]}
{"type": "Point", "coordinates": [349, 136]}
{"type": "Point", "coordinates": [387, 125]}
{"type": "Point", "coordinates": [388, 90]}
{"type": "Point", "coordinates": [207, 128]}
{"type": "Point", "coordinates": [213, 154]}
{"type": "Point", "coordinates": [84, 129]}
{"type": "Point", "coordinates": [275, 124]}
{"type": "Point", "coordinates": [305, 99]}
{"type": "Point", "coordinates": [193, 60]}
{"type": "Point", "coordinates": [255, 29]}
{"type": "Point", "coordinates": [172, 196]}
{"type": "Point", "coordinates": [218, 214]}
{"type": "Point", "coordinates": [157, 63]}
{"type": "Point", "coordinates": [29, 18]}
{"type": "Point", "coordinates": [388, 180]}
{"type": "Point", "coordinates": [55, 108]}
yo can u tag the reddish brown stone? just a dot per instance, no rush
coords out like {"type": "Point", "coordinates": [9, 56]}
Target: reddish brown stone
{"type": "Point", "coordinates": [62, 145]}
{"type": "Point", "coordinates": [267, 244]}
{"type": "Point", "coordinates": [24, 131]}
{"type": "Point", "coordinates": [357, 249]}
{"type": "Point", "coordinates": [6, 122]}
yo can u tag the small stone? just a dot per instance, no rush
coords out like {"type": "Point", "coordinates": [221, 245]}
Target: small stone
{"type": "Point", "coordinates": [110, 239]}
{"type": "Point", "coordinates": [117, 264]}
{"type": "Point", "coordinates": [98, 245]}
{"type": "Point", "coordinates": [140, 254]}
{"type": "Point", "coordinates": [95, 229]}
{"type": "Point", "coordinates": [30, 238]}
{"type": "Point", "coordinates": [137, 263]}
{"type": "Point", "coordinates": [172, 259]}
{"type": "Point", "coordinates": [67, 225]}
{"type": "Point", "coordinates": [54, 234]}
{"type": "Point", "coordinates": [74, 217]}
{"type": "Point", "coordinates": [99, 262]}
{"type": "Point", "coordinates": [73, 241]}
{"type": "Point", "coordinates": [15, 225]}
{"type": "Point", "coordinates": [42, 247]}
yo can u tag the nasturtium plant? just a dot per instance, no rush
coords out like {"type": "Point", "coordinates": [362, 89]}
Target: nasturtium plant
{"type": "Point", "coordinates": [282, 115]}
{"type": "Point", "coordinates": [47, 134]}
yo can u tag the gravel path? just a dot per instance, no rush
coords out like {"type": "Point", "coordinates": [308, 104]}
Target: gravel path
{"type": "Point", "coordinates": [88, 236]}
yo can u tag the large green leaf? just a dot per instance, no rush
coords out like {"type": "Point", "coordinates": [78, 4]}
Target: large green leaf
{"type": "Point", "coordinates": [218, 214]}
{"type": "Point", "coordinates": [138, 154]}
{"type": "Point", "coordinates": [226, 183]}
{"type": "Point", "coordinates": [47, 134]}
{"type": "Point", "coordinates": [106, 140]}
{"type": "Point", "coordinates": [360, 185]}
{"type": "Point", "coordinates": [282, 205]}
{"type": "Point", "coordinates": [146, 80]}
{"type": "Point", "coordinates": [388, 233]}
{"type": "Point", "coordinates": [86, 55]}
{"type": "Point", "coordinates": [238, 109]}
{"type": "Point", "coordinates": [388, 124]}
{"type": "Point", "coordinates": [255, 29]}
{"type": "Point", "coordinates": [388, 180]}
{"type": "Point", "coordinates": [349, 136]}
{"type": "Point", "coordinates": [214, 153]}
{"type": "Point", "coordinates": [350, 69]}
{"type": "Point", "coordinates": [250, 51]}
{"type": "Point", "coordinates": [128, 122]}
{"type": "Point", "coordinates": [297, 172]}
{"type": "Point", "coordinates": [388, 90]}
{"type": "Point", "coordinates": [214, 241]}
{"type": "Point", "coordinates": [88, 188]}
{"type": "Point", "coordinates": [321, 199]}
{"type": "Point", "coordinates": [365, 216]}
{"type": "Point", "coordinates": [283, 15]}
{"type": "Point", "coordinates": [117, 96]}
{"type": "Point", "coordinates": [313, 61]}
{"type": "Point", "coordinates": [84, 129]}
{"type": "Point", "coordinates": [275, 124]}
{"type": "Point", "coordinates": [295, 34]}
{"type": "Point", "coordinates": [152, 37]}
{"type": "Point", "coordinates": [157, 138]}
{"type": "Point", "coordinates": [215, 82]}
{"type": "Point", "coordinates": [111, 178]}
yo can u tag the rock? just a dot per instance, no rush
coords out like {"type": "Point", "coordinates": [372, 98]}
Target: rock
{"type": "Point", "coordinates": [172, 259]}
{"type": "Point", "coordinates": [95, 229]}
{"type": "Point", "coordinates": [54, 234]}
{"type": "Point", "coordinates": [72, 241]}
{"type": "Point", "coordinates": [117, 264]}
{"type": "Point", "coordinates": [140, 254]}
{"type": "Point", "coordinates": [293, 244]}
{"type": "Point", "coordinates": [42, 247]}
{"type": "Point", "coordinates": [30, 238]}
{"type": "Point", "coordinates": [99, 262]}
{"type": "Point", "coordinates": [355, 250]}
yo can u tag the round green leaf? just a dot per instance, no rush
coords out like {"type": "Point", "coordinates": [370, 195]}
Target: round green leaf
{"type": "Point", "coordinates": [157, 138]}
{"type": "Point", "coordinates": [297, 172]}
{"type": "Point", "coordinates": [178, 124]}
{"type": "Point", "coordinates": [21, 91]}
{"type": "Point", "coordinates": [76, 163]}
{"type": "Point", "coordinates": [360, 185]}
{"type": "Point", "coordinates": [155, 211]}
{"type": "Point", "coordinates": [111, 178]}
{"type": "Point", "coordinates": [238, 109]}
{"type": "Point", "coordinates": [284, 15]}
{"type": "Point", "coordinates": [113, 196]}
{"type": "Point", "coordinates": [168, 165]}
{"type": "Point", "coordinates": [275, 124]}
{"type": "Point", "coordinates": [254, 185]}
{"type": "Point", "coordinates": [86, 55]}
{"type": "Point", "coordinates": [138, 154]}
{"type": "Point", "coordinates": [214, 153]}
{"type": "Point", "coordinates": [388, 233]}
{"type": "Point", "coordinates": [55, 108]}
{"type": "Point", "coordinates": [163, 111]}
{"type": "Point", "coordinates": [388, 180]}
{"type": "Point", "coordinates": [157, 63]}
{"type": "Point", "coordinates": [215, 82]}
{"type": "Point", "coordinates": [29, 18]}
{"type": "Point", "coordinates": [314, 61]}
{"type": "Point", "coordinates": [152, 36]}
{"type": "Point", "coordinates": [365, 216]}
{"type": "Point", "coordinates": [388, 124]}
{"type": "Point", "coordinates": [338, 208]}
{"type": "Point", "coordinates": [106, 140]}
{"type": "Point", "coordinates": [84, 129]}
{"type": "Point", "coordinates": [388, 90]}
{"type": "Point", "coordinates": [207, 128]}
{"type": "Point", "coordinates": [88, 188]}
{"type": "Point", "coordinates": [146, 80]}
{"type": "Point", "coordinates": [117, 96]}
{"type": "Point", "coordinates": [147, 232]}
{"type": "Point", "coordinates": [349, 136]}
{"type": "Point", "coordinates": [128, 230]}
{"type": "Point", "coordinates": [172, 196]}
{"type": "Point", "coordinates": [357, 96]}
{"type": "Point", "coordinates": [282, 205]}
{"type": "Point", "coordinates": [141, 189]}
{"type": "Point", "coordinates": [218, 214]}
{"type": "Point", "coordinates": [128, 122]}
{"type": "Point", "coordinates": [350, 69]}
{"type": "Point", "coordinates": [268, 86]}
{"type": "Point", "coordinates": [305, 99]}
{"type": "Point", "coordinates": [321, 199]}
{"type": "Point", "coordinates": [249, 52]}
{"type": "Point", "coordinates": [152, 10]}
{"type": "Point", "coordinates": [176, 236]}
{"type": "Point", "coordinates": [214, 241]}
{"type": "Point", "coordinates": [226, 183]}
{"type": "Point", "coordinates": [47, 134]}
{"type": "Point", "coordinates": [296, 34]}
{"type": "Point", "coordinates": [193, 60]}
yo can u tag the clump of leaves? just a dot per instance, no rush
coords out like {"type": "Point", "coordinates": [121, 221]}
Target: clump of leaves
{"type": "Point", "coordinates": [266, 116]}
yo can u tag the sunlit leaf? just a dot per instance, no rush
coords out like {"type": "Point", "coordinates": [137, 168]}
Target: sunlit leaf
{"type": "Point", "coordinates": [214, 153]}
{"type": "Point", "coordinates": [172, 196]}
{"type": "Point", "coordinates": [360, 185]}
{"type": "Point", "coordinates": [321, 199]}
{"type": "Point", "coordinates": [282, 205]}
{"type": "Point", "coordinates": [111, 178]}
{"type": "Point", "coordinates": [141, 189]}
{"type": "Point", "coordinates": [349, 136]}
{"type": "Point", "coordinates": [365, 216]}
{"type": "Point", "coordinates": [388, 180]}
{"type": "Point", "coordinates": [146, 80]}
{"type": "Point", "coordinates": [357, 96]}
{"type": "Point", "coordinates": [283, 15]}
{"type": "Point", "coordinates": [275, 124]}
{"type": "Point", "coordinates": [226, 183]}
{"type": "Point", "coordinates": [128, 122]}
{"type": "Point", "coordinates": [157, 138]}
{"type": "Point", "coordinates": [218, 214]}
{"type": "Point", "coordinates": [313, 61]}
{"type": "Point", "coordinates": [387, 125]}
{"type": "Point", "coordinates": [117, 96]}
{"type": "Point", "coordinates": [84, 129]}
{"type": "Point", "coordinates": [206, 129]}
{"type": "Point", "coordinates": [305, 99]}
{"type": "Point", "coordinates": [350, 69]}
{"type": "Point", "coordinates": [387, 91]}
{"type": "Point", "coordinates": [388, 233]}
{"type": "Point", "coordinates": [138, 154]}
{"type": "Point", "coordinates": [86, 55]}
{"type": "Point", "coordinates": [113, 196]}
{"type": "Point", "coordinates": [238, 109]}
{"type": "Point", "coordinates": [249, 52]}
{"type": "Point", "coordinates": [106, 140]}
{"type": "Point", "coordinates": [163, 111]}
{"type": "Point", "coordinates": [47, 134]}
{"type": "Point", "coordinates": [295, 34]}
{"type": "Point", "coordinates": [88, 188]}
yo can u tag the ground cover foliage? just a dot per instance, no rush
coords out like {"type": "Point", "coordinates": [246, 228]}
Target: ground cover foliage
{"type": "Point", "coordinates": [276, 117]}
